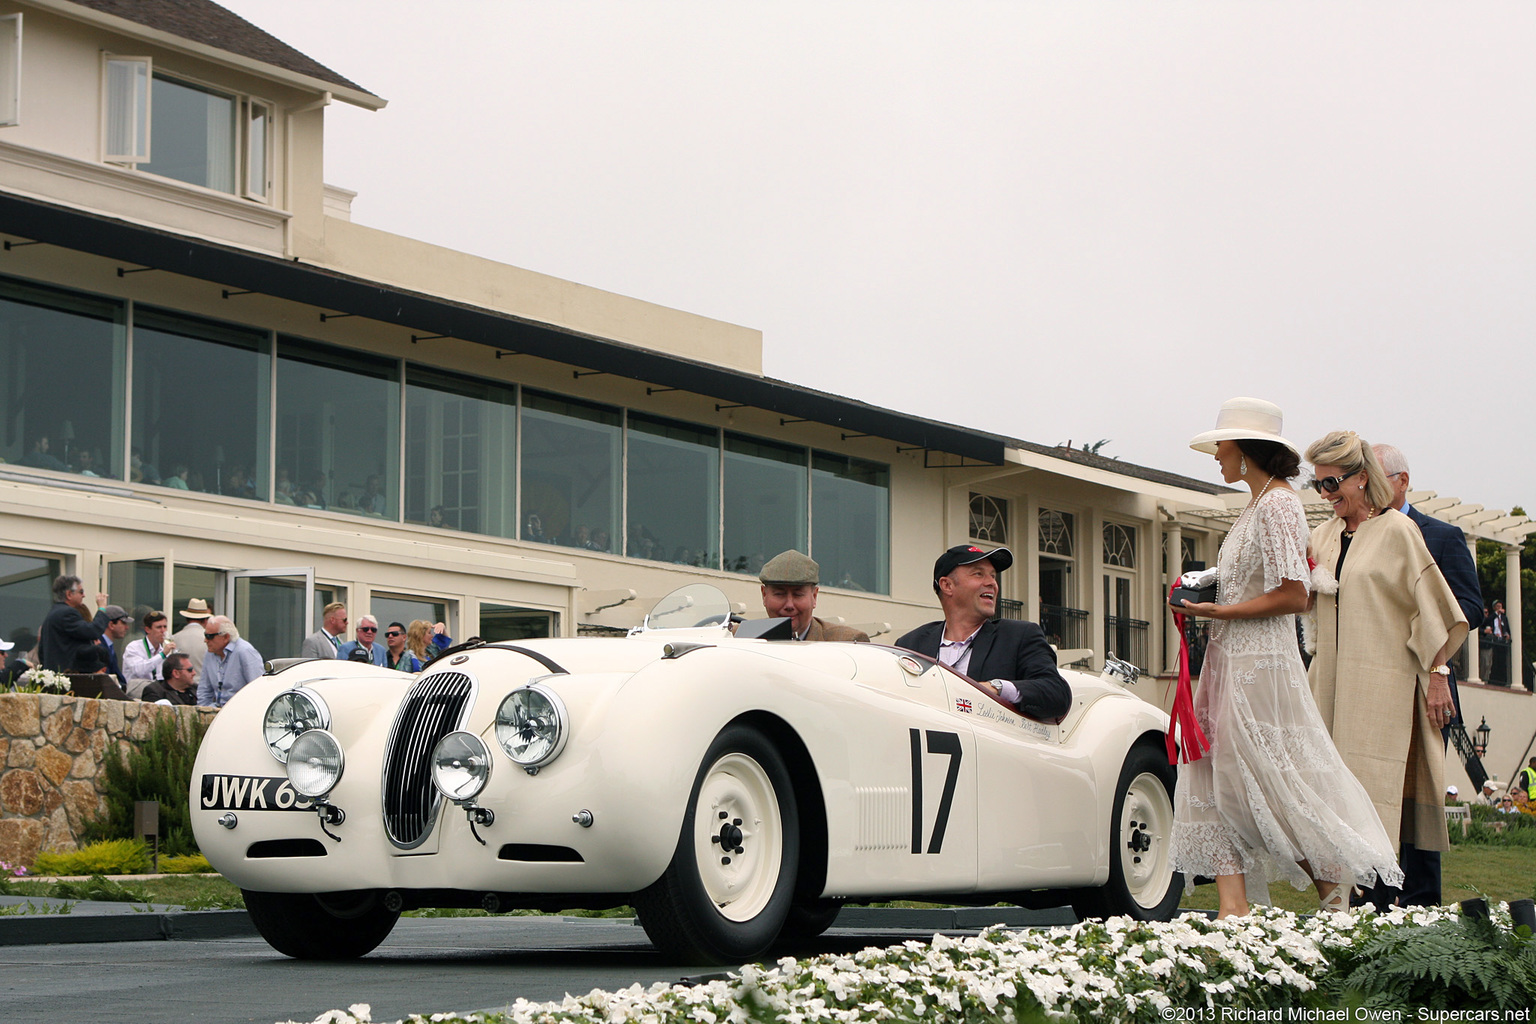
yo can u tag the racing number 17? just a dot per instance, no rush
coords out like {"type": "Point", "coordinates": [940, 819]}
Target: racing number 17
{"type": "Point", "coordinates": [938, 743]}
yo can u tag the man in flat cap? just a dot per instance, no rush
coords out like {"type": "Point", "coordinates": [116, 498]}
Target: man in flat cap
{"type": "Point", "coordinates": [790, 585]}
{"type": "Point", "coordinates": [1008, 657]}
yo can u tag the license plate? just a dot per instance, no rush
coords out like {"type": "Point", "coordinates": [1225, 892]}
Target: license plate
{"type": "Point", "coordinates": [251, 793]}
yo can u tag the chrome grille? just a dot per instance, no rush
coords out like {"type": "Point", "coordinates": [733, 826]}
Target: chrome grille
{"type": "Point", "coordinates": [436, 706]}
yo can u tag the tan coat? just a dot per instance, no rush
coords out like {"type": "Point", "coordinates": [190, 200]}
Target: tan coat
{"type": "Point", "coordinates": [819, 630]}
{"type": "Point", "coordinates": [1394, 617]}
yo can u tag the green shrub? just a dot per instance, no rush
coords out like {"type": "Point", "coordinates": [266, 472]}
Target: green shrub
{"type": "Point", "coordinates": [110, 857]}
{"type": "Point", "coordinates": [186, 864]}
{"type": "Point", "coordinates": [1459, 963]}
{"type": "Point", "coordinates": [159, 769]}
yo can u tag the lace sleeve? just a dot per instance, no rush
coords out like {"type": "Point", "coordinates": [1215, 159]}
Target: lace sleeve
{"type": "Point", "coordinates": [1282, 529]}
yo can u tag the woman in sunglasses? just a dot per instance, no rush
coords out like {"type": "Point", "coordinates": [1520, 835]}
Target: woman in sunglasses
{"type": "Point", "coordinates": [1386, 624]}
{"type": "Point", "coordinates": [1272, 800]}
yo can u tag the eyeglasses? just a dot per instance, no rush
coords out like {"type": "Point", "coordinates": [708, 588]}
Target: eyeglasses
{"type": "Point", "coordinates": [1329, 484]}
{"type": "Point", "coordinates": [367, 629]}
{"type": "Point", "coordinates": [212, 636]}
{"type": "Point", "coordinates": [394, 632]}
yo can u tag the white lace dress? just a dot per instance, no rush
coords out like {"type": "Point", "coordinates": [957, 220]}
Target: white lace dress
{"type": "Point", "coordinates": [1272, 791]}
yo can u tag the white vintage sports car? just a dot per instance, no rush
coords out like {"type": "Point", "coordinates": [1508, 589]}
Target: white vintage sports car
{"type": "Point", "coordinates": [734, 790]}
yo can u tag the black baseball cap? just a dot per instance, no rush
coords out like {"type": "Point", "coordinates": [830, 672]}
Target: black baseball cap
{"type": "Point", "coordinates": [965, 554]}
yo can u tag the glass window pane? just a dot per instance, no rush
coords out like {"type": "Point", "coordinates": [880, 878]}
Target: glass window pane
{"type": "Point", "coordinates": [26, 596]}
{"type": "Point", "coordinates": [256, 129]}
{"type": "Point", "coordinates": [505, 622]}
{"type": "Point", "coordinates": [405, 610]}
{"type": "Point", "coordinates": [62, 358]}
{"type": "Point", "coordinates": [192, 134]}
{"type": "Point", "coordinates": [765, 501]}
{"type": "Point", "coordinates": [571, 455]}
{"type": "Point", "coordinates": [851, 522]}
{"type": "Point", "coordinates": [127, 110]}
{"type": "Point", "coordinates": [138, 587]}
{"type": "Point", "coordinates": [200, 405]}
{"type": "Point", "coordinates": [460, 453]}
{"type": "Point", "coordinates": [338, 429]}
{"type": "Point", "coordinates": [674, 492]}
{"type": "Point", "coordinates": [189, 581]}
{"type": "Point", "coordinates": [269, 612]}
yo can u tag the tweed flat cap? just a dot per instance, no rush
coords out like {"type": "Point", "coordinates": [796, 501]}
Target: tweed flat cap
{"type": "Point", "coordinates": [790, 569]}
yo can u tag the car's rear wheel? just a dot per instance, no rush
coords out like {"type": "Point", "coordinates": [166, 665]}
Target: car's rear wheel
{"type": "Point", "coordinates": [1142, 883]}
{"type": "Point", "coordinates": [808, 919]}
{"type": "Point", "coordinates": [328, 926]}
{"type": "Point", "coordinates": [725, 896]}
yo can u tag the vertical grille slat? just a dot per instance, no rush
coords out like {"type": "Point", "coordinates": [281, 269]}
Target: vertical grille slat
{"type": "Point", "coordinates": [436, 706]}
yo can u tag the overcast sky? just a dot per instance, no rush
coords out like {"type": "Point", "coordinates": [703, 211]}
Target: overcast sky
{"type": "Point", "coordinates": [1055, 221]}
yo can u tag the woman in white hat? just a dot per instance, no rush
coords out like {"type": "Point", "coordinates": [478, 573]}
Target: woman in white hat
{"type": "Point", "coordinates": [1272, 800]}
{"type": "Point", "coordinates": [1387, 623]}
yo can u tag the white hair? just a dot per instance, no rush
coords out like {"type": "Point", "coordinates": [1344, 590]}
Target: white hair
{"type": "Point", "coordinates": [1391, 457]}
{"type": "Point", "coordinates": [223, 624]}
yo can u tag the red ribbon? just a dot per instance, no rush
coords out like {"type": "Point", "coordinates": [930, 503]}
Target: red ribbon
{"type": "Point", "coordinates": [1194, 745]}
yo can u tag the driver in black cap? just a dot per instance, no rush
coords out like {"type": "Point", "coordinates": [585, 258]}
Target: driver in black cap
{"type": "Point", "coordinates": [1009, 657]}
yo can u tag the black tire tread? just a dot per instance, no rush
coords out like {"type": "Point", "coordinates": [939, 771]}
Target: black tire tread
{"type": "Point", "coordinates": [296, 925]}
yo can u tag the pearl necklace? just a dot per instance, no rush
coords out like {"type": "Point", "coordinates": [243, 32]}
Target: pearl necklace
{"type": "Point", "coordinates": [1370, 514]}
{"type": "Point", "coordinates": [1242, 520]}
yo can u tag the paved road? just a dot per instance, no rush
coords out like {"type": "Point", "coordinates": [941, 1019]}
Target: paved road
{"type": "Point", "coordinates": [426, 965]}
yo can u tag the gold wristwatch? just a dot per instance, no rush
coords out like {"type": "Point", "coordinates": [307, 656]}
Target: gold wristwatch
{"type": "Point", "coordinates": [1441, 670]}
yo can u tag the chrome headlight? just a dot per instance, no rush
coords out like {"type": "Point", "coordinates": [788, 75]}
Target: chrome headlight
{"type": "Point", "coordinates": [531, 725]}
{"type": "Point", "coordinates": [461, 766]}
{"type": "Point", "coordinates": [291, 713]}
{"type": "Point", "coordinates": [315, 763]}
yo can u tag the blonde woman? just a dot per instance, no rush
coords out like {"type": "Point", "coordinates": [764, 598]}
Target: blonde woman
{"type": "Point", "coordinates": [1272, 800]}
{"type": "Point", "coordinates": [1386, 624]}
{"type": "Point", "coordinates": [427, 640]}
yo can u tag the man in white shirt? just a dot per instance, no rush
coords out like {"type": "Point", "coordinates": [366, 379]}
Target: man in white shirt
{"type": "Point", "coordinates": [144, 658]}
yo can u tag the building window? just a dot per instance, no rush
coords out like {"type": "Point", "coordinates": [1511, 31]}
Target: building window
{"type": "Point", "coordinates": [182, 130]}
{"type": "Point", "coordinates": [765, 501]}
{"type": "Point", "coordinates": [506, 622]}
{"type": "Point", "coordinates": [673, 487]}
{"type": "Point", "coordinates": [405, 609]}
{"type": "Point", "coordinates": [851, 521]}
{"type": "Point", "coordinates": [338, 429]}
{"type": "Point", "coordinates": [570, 472]}
{"type": "Point", "coordinates": [10, 69]}
{"type": "Point", "coordinates": [189, 371]}
{"type": "Point", "coordinates": [989, 519]}
{"type": "Point", "coordinates": [26, 595]}
{"type": "Point", "coordinates": [62, 366]}
{"type": "Point", "coordinates": [1119, 545]}
{"type": "Point", "coordinates": [460, 453]}
{"type": "Point", "coordinates": [1056, 533]}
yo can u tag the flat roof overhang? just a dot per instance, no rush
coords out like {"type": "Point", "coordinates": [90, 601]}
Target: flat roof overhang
{"type": "Point", "coordinates": [328, 290]}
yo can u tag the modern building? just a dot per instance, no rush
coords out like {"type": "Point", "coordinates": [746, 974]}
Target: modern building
{"type": "Point", "coordinates": [214, 384]}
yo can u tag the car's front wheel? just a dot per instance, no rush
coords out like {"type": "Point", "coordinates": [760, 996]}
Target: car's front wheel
{"type": "Point", "coordinates": [724, 897]}
{"type": "Point", "coordinates": [327, 926]}
{"type": "Point", "coordinates": [1142, 883]}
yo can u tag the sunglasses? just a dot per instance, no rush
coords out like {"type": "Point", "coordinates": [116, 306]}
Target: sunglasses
{"type": "Point", "coordinates": [1329, 484]}
{"type": "Point", "coordinates": [367, 629]}
{"type": "Point", "coordinates": [211, 636]}
{"type": "Point", "coordinates": [394, 632]}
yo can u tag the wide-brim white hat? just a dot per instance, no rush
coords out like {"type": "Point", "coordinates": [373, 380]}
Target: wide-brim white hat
{"type": "Point", "coordinates": [1244, 419]}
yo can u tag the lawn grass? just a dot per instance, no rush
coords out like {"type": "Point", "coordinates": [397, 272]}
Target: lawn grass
{"type": "Point", "coordinates": [1466, 872]}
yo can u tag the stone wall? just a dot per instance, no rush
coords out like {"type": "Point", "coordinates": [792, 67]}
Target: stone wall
{"type": "Point", "coordinates": [50, 760]}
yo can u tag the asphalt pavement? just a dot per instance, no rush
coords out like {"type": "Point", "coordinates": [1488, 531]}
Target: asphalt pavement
{"type": "Point", "coordinates": [110, 963]}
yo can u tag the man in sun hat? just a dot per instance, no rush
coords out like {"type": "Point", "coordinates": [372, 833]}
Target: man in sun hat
{"type": "Point", "coordinates": [189, 639]}
{"type": "Point", "coordinates": [1009, 657]}
{"type": "Point", "coordinates": [791, 582]}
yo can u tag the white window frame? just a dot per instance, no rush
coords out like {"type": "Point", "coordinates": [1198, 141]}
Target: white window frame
{"type": "Point", "coordinates": [130, 158]}
{"type": "Point", "coordinates": [10, 70]}
{"type": "Point", "coordinates": [264, 173]}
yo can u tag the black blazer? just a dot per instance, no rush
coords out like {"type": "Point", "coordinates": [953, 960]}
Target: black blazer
{"type": "Point", "coordinates": [1007, 649]}
{"type": "Point", "coordinates": [1448, 547]}
{"type": "Point", "coordinates": [65, 631]}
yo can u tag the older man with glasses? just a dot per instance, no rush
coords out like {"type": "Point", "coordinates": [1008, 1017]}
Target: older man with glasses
{"type": "Point", "coordinates": [368, 639]}
{"type": "Point", "coordinates": [231, 663]}
{"type": "Point", "coordinates": [68, 629]}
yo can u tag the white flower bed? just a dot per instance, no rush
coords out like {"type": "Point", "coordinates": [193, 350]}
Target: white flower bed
{"type": "Point", "coordinates": [1115, 970]}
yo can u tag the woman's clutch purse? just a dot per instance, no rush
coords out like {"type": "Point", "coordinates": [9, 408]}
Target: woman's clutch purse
{"type": "Point", "coordinates": [1197, 587]}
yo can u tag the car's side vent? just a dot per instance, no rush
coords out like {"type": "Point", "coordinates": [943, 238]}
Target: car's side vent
{"type": "Point", "coordinates": [285, 848]}
{"type": "Point", "coordinates": [436, 706]}
{"type": "Point", "coordinates": [537, 853]}
{"type": "Point", "coordinates": [885, 817]}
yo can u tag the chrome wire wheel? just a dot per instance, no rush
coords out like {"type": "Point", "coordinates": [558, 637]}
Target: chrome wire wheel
{"type": "Point", "coordinates": [1146, 821]}
{"type": "Point", "coordinates": [738, 837]}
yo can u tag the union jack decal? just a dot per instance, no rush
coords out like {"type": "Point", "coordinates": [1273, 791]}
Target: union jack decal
{"type": "Point", "coordinates": [961, 704]}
